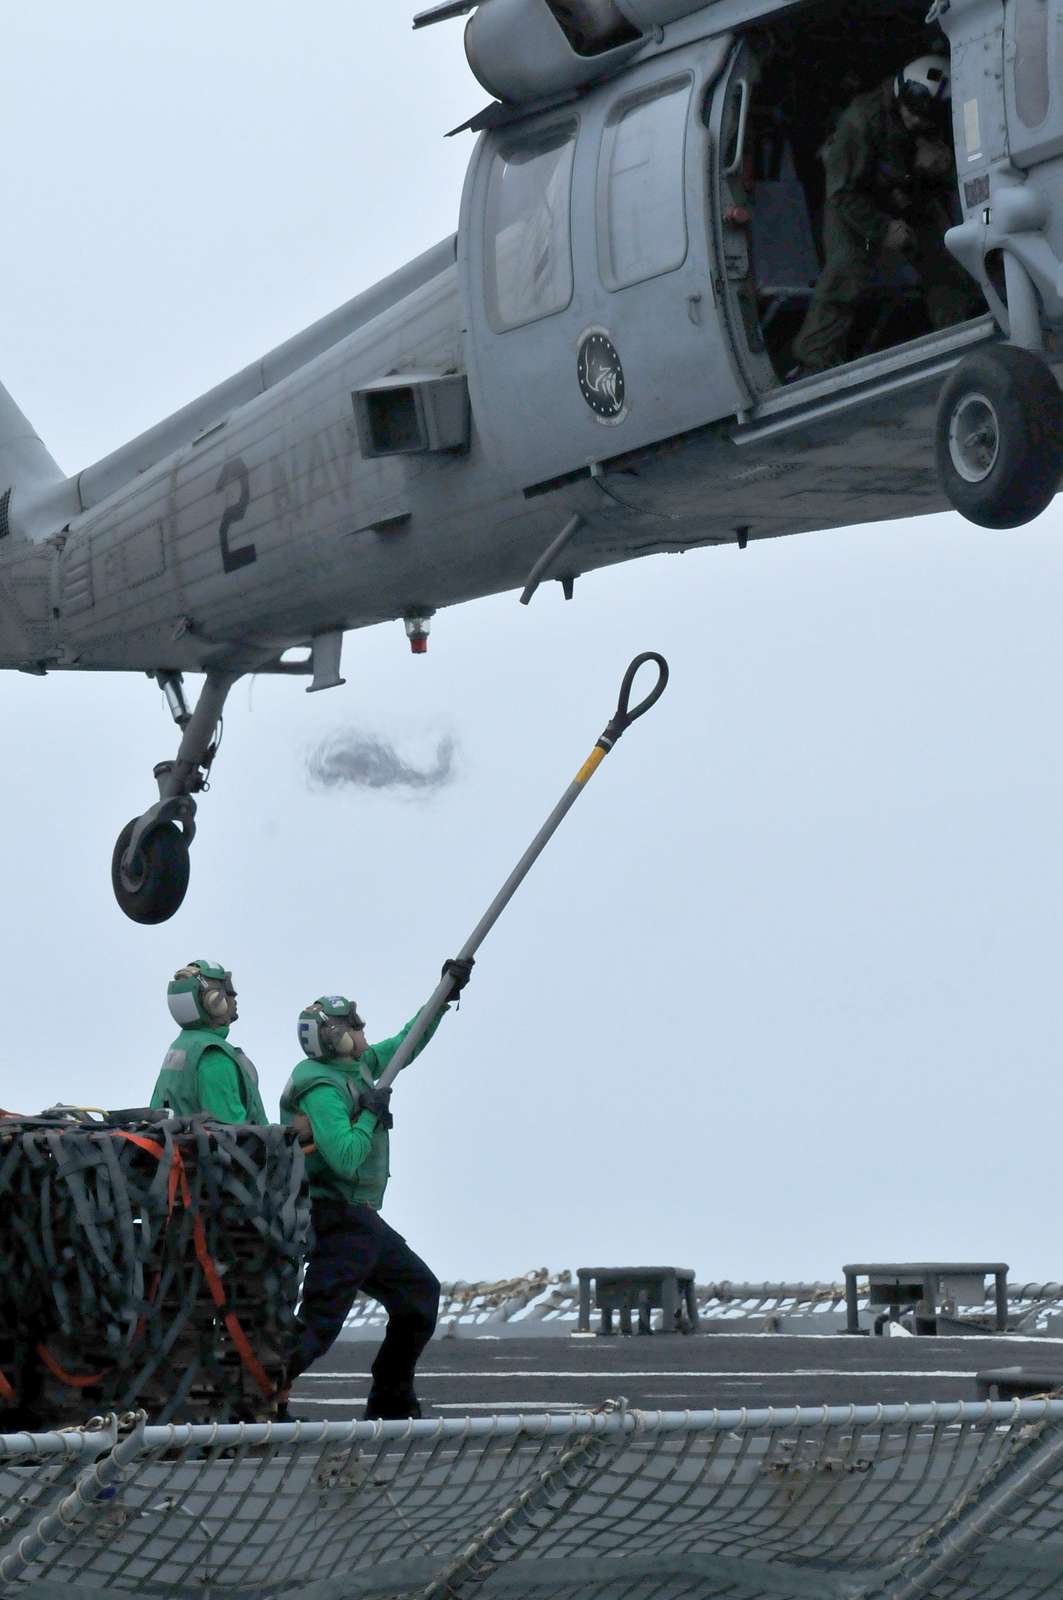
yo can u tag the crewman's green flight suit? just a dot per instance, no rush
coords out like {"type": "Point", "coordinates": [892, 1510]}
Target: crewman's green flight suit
{"type": "Point", "coordinates": [872, 178]}
{"type": "Point", "coordinates": [203, 1072]}
{"type": "Point", "coordinates": [354, 1248]}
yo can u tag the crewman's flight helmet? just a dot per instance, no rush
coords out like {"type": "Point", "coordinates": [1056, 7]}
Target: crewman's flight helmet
{"type": "Point", "coordinates": [327, 1027]}
{"type": "Point", "coordinates": [202, 994]}
{"type": "Point", "coordinates": [925, 87]}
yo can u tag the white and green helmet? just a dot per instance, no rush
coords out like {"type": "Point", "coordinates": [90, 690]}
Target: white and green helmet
{"type": "Point", "coordinates": [201, 994]}
{"type": "Point", "coordinates": [323, 1021]}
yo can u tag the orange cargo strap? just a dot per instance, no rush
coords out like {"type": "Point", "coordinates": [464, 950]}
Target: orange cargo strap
{"type": "Point", "coordinates": [150, 1145]}
{"type": "Point", "coordinates": [214, 1283]}
{"type": "Point", "coordinates": [72, 1380]}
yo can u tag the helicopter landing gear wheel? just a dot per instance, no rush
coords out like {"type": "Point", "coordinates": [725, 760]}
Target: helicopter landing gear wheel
{"type": "Point", "coordinates": [999, 437]}
{"type": "Point", "coordinates": [149, 868]}
{"type": "Point", "coordinates": [150, 885]}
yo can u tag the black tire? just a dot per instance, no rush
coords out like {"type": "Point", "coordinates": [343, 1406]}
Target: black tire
{"type": "Point", "coordinates": [159, 878]}
{"type": "Point", "coordinates": [999, 436]}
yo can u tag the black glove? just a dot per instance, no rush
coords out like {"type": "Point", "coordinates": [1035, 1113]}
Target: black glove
{"type": "Point", "coordinates": [378, 1101]}
{"type": "Point", "coordinates": [459, 971]}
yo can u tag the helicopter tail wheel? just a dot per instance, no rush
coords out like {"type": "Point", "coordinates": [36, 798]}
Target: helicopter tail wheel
{"type": "Point", "coordinates": [1000, 436]}
{"type": "Point", "coordinates": [151, 885]}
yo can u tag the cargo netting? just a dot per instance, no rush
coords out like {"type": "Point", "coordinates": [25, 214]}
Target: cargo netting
{"type": "Point", "coordinates": [153, 1264]}
{"type": "Point", "coordinates": [957, 1501]}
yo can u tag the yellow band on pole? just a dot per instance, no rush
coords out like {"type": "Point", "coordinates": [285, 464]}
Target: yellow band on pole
{"type": "Point", "coordinates": [590, 766]}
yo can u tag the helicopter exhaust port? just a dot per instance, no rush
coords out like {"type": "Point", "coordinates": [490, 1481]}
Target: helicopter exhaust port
{"type": "Point", "coordinates": [591, 26]}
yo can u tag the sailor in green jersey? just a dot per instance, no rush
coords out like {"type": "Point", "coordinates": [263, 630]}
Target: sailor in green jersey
{"type": "Point", "coordinates": [353, 1247]}
{"type": "Point", "coordinates": [202, 1071]}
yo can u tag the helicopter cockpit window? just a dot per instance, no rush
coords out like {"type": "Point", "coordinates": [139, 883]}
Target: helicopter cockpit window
{"type": "Point", "coordinates": [528, 252]}
{"type": "Point", "coordinates": [642, 220]}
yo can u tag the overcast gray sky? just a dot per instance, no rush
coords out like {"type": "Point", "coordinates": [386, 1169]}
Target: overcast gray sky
{"type": "Point", "coordinates": [783, 993]}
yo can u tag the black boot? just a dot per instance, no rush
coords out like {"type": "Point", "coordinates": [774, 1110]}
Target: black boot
{"type": "Point", "coordinates": [395, 1405]}
{"type": "Point", "coordinates": [286, 1414]}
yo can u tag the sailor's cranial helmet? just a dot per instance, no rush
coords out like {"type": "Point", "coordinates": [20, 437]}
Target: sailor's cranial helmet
{"type": "Point", "coordinates": [202, 994]}
{"type": "Point", "coordinates": [925, 87]}
{"type": "Point", "coordinates": [327, 1027]}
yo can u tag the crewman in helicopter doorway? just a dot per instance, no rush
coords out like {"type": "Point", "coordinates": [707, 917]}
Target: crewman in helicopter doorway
{"type": "Point", "coordinates": [353, 1249]}
{"type": "Point", "coordinates": [890, 178]}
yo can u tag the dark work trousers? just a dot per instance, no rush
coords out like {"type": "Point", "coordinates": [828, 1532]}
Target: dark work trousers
{"type": "Point", "coordinates": [354, 1249]}
{"type": "Point", "coordinates": [949, 295]}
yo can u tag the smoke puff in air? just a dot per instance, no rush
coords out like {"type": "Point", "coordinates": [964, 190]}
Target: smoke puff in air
{"type": "Point", "coordinates": [371, 763]}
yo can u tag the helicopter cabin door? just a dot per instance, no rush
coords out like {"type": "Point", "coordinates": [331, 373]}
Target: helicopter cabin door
{"type": "Point", "coordinates": [586, 258]}
{"type": "Point", "coordinates": [763, 230]}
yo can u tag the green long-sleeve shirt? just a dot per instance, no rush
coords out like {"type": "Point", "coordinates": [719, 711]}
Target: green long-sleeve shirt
{"type": "Point", "coordinates": [219, 1084]}
{"type": "Point", "coordinates": [351, 1158]}
{"type": "Point", "coordinates": [341, 1144]}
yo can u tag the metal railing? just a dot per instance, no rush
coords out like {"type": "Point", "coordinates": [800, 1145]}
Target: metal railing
{"type": "Point", "coordinates": [956, 1501]}
{"type": "Point", "coordinates": [540, 1303]}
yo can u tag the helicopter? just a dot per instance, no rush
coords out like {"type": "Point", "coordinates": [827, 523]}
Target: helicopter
{"type": "Point", "coordinates": [594, 367]}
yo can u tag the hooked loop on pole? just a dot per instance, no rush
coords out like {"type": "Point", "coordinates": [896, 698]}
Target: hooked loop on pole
{"type": "Point", "coordinates": [625, 714]}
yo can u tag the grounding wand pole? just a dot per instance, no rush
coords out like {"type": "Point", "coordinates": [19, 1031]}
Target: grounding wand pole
{"type": "Point", "coordinates": [620, 721]}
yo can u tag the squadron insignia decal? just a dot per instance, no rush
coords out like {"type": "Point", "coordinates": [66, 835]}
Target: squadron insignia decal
{"type": "Point", "coordinates": [601, 377]}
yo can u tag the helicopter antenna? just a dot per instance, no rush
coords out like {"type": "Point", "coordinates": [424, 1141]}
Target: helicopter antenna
{"type": "Point", "coordinates": [444, 12]}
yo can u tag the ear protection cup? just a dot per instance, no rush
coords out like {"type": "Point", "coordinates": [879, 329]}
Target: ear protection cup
{"type": "Point", "coordinates": [215, 1002]}
{"type": "Point", "coordinates": [328, 1026]}
{"type": "Point", "coordinates": [330, 1031]}
{"type": "Point", "coordinates": [201, 993]}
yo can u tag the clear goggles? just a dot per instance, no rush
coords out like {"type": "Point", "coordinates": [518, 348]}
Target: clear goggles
{"type": "Point", "coordinates": [343, 1019]}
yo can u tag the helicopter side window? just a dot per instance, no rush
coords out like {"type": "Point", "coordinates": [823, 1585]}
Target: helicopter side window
{"type": "Point", "coordinates": [1031, 61]}
{"type": "Point", "coordinates": [642, 220]}
{"type": "Point", "coordinates": [528, 251]}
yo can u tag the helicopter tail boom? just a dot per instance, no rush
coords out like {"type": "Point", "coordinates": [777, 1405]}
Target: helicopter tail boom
{"type": "Point", "coordinates": [33, 487]}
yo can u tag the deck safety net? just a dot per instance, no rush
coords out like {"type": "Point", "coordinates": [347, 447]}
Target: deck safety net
{"type": "Point", "coordinates": [957, 1501]}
